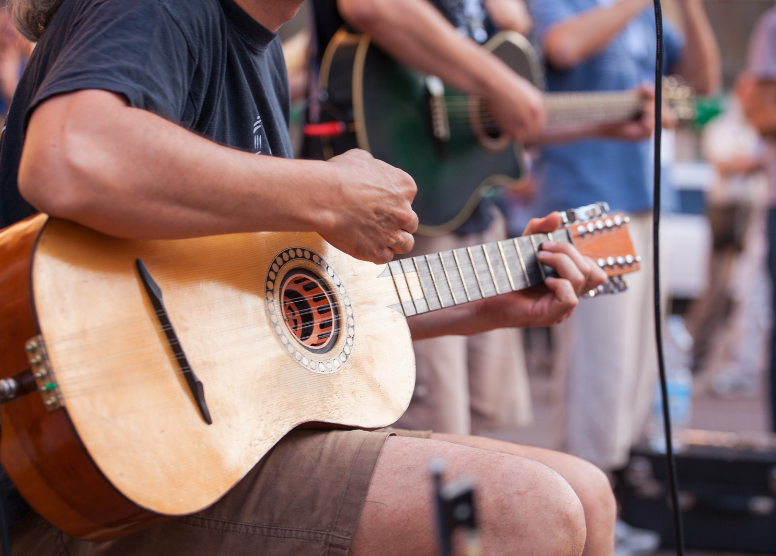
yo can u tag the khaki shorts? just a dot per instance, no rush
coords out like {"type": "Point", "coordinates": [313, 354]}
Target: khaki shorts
{"type": "Point", "coordinates": [303, 498]}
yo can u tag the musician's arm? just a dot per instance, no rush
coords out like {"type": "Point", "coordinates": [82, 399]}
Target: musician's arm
{"type": "Point", "coordinates": [580, 37]}
{"type": "Point", "coordinates": [416, 34]}
{"type": "Point", "coordinates": [699, 63]}
{"type": "Point", "coordinates": [90, 158]}
{"type": "Point", "coordinates": [509, 15]}
{"type": "Point", "coordinates": [539, 306]}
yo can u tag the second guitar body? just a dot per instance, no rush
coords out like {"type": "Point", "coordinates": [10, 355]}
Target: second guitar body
{"type": "Point", "coordinates": [445, 140]}
{"type": "Point", "coordinates": [392, 118]}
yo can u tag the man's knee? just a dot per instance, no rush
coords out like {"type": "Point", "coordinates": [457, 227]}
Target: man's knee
{"type": "Point", "coordinates": [548, 511]}
{"type": "Point", "coordinates": [595, 491]}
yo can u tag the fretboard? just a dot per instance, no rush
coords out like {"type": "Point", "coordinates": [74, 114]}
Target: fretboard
{"type": "Point", "coordinates": [569, 109]}
{"type": "Point", "coordinates": [432, 282]}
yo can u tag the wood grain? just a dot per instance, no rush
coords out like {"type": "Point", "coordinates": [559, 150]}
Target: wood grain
{"type": "Point", "coordinates": [123, 390]}
{"type": "Point", "coordinates": [39, 450]}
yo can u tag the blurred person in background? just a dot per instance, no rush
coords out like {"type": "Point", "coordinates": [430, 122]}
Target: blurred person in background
{"type": "Point", "coordinates": [727, 321]}
{"type": "Point", "coordinates": [759, 103]}
{"type": "Point", "coordinates": [14, 53]}
{"type": "Point", "coordinates": [606, 362]}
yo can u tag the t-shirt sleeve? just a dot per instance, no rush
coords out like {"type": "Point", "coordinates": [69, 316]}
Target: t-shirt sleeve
{"type": "Point", "coordinates": [673, 44]}
{"type": "Point", "coordinates": [546, 13]}
{"type": "Point", "coordinates": [133, 48]}
{"type": "Point", "coordinates": [762, 48]}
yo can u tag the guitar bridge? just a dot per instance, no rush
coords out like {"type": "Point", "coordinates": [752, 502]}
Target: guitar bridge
{"type": "Point", "coordinates": [37, 356]}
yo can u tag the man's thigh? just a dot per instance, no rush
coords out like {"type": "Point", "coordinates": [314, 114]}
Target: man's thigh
{"type": "Point", "coordinates": [304, 498]}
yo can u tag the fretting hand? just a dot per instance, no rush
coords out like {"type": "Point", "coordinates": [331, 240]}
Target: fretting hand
{"type": "Point", "coordinates": [544, 305]}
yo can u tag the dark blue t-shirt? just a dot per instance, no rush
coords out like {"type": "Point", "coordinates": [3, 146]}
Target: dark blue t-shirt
{"type": "Point", "coordinates": [203, 64]}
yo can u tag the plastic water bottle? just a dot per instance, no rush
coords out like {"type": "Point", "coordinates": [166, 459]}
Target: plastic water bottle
{"type": "Point", "coordinates": [677, 349]}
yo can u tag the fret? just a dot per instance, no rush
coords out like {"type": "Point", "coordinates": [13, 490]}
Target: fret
{"type": "Point", "coordinates": [536, 253]}
{"type": "Point", "coordinates": [529, 258]}
{"type": "Point", "coordinates": [490, 268]}
{"type": "Point", "coordinates": [522, 263]}
{"type": "Point", "coordinates": [461, 274]}
{"type": "Point", "coordinates": [414, 286]}
{"type": "Point", "coordinates": [476, 274]}
{"type": "Point", "coordinates": [498, 268]}
{"type": "Point", "coordinates": [506, 266]}
{"type": "Point", "coordinates": [405, 298]}
{"type": "Point", "coordinates": [430, 291]}
{"type": "Point", "coordinates": [447, 277]}
{"type": "Point", "coordinates": [468, 276]}
{"type": "Point", "coordinates": [485, 278]}
{"type": "Point", "coordinates": [434, 281]}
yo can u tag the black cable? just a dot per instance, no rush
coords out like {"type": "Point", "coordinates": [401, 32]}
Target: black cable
{"type": "Point", "coordinates": [670, 459]}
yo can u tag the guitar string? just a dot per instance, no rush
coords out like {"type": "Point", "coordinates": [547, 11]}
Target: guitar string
{"type": "Point", "coordinates": [458, 290]}
{"type": "Point", "coordinates": [182, 307]}
{"type": "Point", "coordinates": [162, 359]}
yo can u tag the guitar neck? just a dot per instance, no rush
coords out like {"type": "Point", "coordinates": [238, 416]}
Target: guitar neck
{"type": "Point", "coordinates": [439, 280]}
{"type": "Point", "coordinates": [570, 109]}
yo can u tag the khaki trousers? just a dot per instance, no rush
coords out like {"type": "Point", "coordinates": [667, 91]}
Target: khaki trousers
{"type": "Point", "coordinates": [468, 384]}
{"type": "Point", "coordinates": [605, 366]}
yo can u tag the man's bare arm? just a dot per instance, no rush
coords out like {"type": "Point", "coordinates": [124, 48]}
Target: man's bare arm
{"type": "Point", "coordinates": [416, 34]}
{"type": "Point", "coordinates": [700, 63]}
{"type": "Point", "coordinates": [581, 37]}
{"type": "Point", "coordinates": [509, 15]}
{"type": "Point", "coordinates": [126, 172]}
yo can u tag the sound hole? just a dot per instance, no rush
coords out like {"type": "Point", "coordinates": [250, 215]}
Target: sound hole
{"type": "Point", "coordinates": [484, 127]}
{"type": "Point", "coordinates": [309, 310]}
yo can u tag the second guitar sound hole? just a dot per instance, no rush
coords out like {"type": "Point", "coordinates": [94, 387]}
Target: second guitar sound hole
{"type": "Point", "coordinates": [309, 310]}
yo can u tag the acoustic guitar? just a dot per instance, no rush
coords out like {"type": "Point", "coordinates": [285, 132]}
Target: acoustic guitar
{"type": "Point", "coordinates": [448, 142]}
{"type": "Point", "coordinates": [141, 380]}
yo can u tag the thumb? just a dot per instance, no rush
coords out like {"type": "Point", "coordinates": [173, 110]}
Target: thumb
{"type": "Point", "coordinates": [549, 223]}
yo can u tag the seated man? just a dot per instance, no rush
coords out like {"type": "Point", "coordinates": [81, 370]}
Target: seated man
{"type": "Point", "coordinates": [142, 119]}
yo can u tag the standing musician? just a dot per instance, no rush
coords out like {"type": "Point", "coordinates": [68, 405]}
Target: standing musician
{"type": "Point", "coordinates": [607, 351]}
{"type": "Point", "coordinates": [143, 119]}
{"type": "Point", "coordinates": [474, 383]}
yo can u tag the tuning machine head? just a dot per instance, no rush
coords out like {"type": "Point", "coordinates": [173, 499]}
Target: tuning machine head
{"type": "Point", "coordinates": [584, 214]}
{"type": "Point", "coordinates": [615, 284]}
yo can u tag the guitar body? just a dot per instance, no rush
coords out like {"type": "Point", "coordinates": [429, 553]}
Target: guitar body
{"type": "Point", "coordinates": [114, 441]}
{"type": "Point", "coordinates": [389, 105]}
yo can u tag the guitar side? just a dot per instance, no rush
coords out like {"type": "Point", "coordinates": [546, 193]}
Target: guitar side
{"type": "Point", "coordinates": [41, 451]}
{"type": "Point", "coordinates": [127, 404]}
{"type": "Point", "coordinates": [391, 119]}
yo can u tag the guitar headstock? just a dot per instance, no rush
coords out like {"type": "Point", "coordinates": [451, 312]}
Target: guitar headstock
{"type": "Point", "coordinates": [605, 239]}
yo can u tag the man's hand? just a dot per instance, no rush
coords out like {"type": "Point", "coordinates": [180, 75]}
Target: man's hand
{"type": "Point", "coordinates": [371, 218]}
{"type": "Point", "coordinates": [642, 128]}
{"type": "Point", "coordinates": [554, 301]}
{"type": "Point", "coordinates": [543, 305]}
{"type": "Point", "coordinates": [517, 106]}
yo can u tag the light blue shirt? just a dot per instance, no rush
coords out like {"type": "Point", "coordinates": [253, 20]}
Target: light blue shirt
{"type": "Point", "coordinates": [617, 172]}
